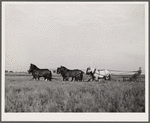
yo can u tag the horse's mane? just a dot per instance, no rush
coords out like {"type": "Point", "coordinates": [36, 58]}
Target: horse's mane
{"type": "Point", "coordinates": [64, 67]}
{"type": "Point", "coordinates": [34, 66]}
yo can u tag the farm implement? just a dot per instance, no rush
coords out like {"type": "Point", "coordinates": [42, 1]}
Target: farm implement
{"type": "Point", "coordinates": [133, 76]}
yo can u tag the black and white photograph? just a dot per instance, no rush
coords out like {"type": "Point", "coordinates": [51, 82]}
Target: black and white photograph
{"type": "Point", "coordinates": [75, 61]}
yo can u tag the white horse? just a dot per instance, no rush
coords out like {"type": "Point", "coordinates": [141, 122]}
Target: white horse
{"type": "Point", "coordinates": [98, 74]}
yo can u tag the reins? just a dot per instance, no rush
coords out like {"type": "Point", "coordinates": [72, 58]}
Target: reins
{"type": "Point", "coordinates": [122, 71]}
{"type": "Point", "coordinates": [117, 70]}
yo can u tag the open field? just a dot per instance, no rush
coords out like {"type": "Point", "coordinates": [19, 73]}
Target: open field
{"type": "Point", "coordinates": [25, 95]}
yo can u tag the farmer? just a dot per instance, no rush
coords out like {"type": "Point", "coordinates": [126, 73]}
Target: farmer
{"type": "Point", "coordinates": [137, 73]}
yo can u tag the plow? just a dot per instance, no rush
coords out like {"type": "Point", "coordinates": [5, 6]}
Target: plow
{"type": "Point", "coordinates": [134, 76]}
{"type": "Point", "coordinates": [107, 74]}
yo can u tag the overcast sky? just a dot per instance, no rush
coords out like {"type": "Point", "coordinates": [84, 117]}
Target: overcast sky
{"type": "Point", "coordinates": [75, 35]}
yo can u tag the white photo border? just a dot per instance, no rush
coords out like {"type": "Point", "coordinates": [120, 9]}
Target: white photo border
{"type": "Point", "coordinates": [140, 117]}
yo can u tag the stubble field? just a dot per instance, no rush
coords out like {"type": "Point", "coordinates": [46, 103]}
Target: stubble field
{"type": "Point", "coordinates": [25, 95]}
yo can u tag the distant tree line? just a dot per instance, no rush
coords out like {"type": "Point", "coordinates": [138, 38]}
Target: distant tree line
{"type": "Point", "coordinates": [6, 71]}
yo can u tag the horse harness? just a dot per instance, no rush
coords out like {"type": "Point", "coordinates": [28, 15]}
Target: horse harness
{"type": "Point", "coordinates": [98, 73]}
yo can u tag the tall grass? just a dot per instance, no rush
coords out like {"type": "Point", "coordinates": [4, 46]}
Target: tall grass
{"type": "Point", "coordinates": [41, 96]}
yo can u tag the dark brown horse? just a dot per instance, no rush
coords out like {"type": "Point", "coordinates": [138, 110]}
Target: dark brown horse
{"type": "Point", "coordinates": [76, 74]}
{"type": "Point", "coordinates": [37, 72]}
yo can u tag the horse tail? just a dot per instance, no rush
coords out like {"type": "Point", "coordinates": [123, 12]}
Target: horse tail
{"type": "Point", "coordinates": [50, 75]}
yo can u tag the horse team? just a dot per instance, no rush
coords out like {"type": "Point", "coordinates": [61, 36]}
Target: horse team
{"type": "Point", "coordinates": [76, 74]}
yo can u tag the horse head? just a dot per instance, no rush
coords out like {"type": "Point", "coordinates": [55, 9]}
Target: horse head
{"type": "Point", "coordinates": [63, 68]}
{"type": "Point", "coordinates": [32, 67]}
{"type": "Point", "coordinates": [58, 70]}
{"type": "Point", "coordinates": [88, 70]}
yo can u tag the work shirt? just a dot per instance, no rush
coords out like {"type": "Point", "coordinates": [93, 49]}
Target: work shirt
{"type": "Point", "coordinates": [138, 73]}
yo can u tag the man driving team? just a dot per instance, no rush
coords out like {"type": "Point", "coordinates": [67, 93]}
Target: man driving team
{"type": "Point", "coordinates": [137, 73]}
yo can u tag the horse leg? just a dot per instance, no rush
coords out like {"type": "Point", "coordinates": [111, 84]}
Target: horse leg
{"type": "Point", "coordinates": [96, 78]}
{"type": "Point", "coordinates": [45, 78]}
{"type": "Point", "coordinates": [76, 79]}
{"type": "Point", "coordinates": [72, 79]}
{"type": "Point", "coordinates": [109, 77]}
{"type": "Point", "coordinates": [65, 79]}
{"type": "Point", "coordinates": [49, 78]}
{"type": "Point", "coordinates": [81, 77]}
{"type": "Point", "coordinates": [89, 79]}
{"type": "Point", "coordinates": [33, 78]}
